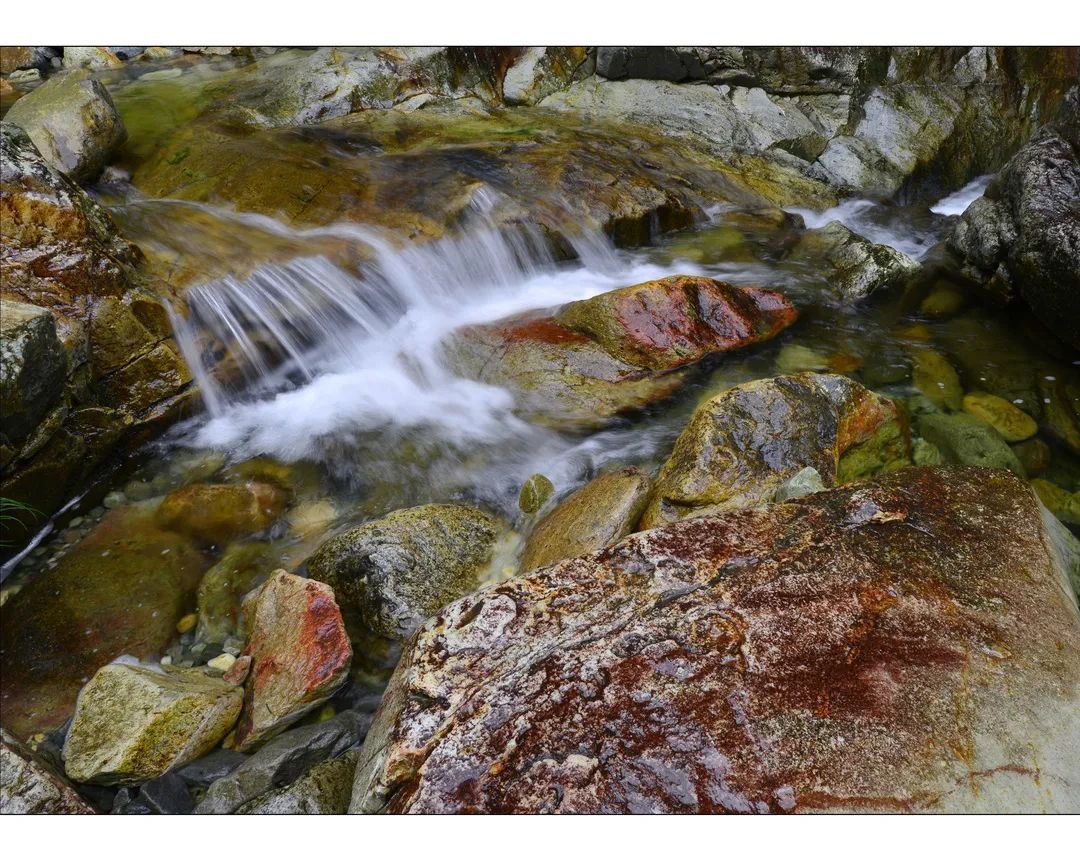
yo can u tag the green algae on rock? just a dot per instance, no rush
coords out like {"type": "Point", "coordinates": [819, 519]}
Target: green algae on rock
{"type": "Point", "coordinates": [562, 689]}
{"type": "Point", "coordinates": [399, 569]}
{"type": "Point", "coordinates": [966, 440]}
{"type": "Point", "coordinates": [604, 510]}
{"type": "Point", "coordinates": [743, 444]}
{"type": "Point", "coordinates": [535, 493]}
{"type": "Point", "coordinates": [1010, 422]}
{"type": "Point", "coordinates": [121, 590]}
{"type": "Point", "coordinates": [133, 724]}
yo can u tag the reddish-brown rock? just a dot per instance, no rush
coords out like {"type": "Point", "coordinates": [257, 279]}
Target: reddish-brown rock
{"type": "Point", "coordinates": [903, 644]}
{"type": "Point", "coordinates": [300, 654]}
{"type": "Point", "coordinates": [594, 359]}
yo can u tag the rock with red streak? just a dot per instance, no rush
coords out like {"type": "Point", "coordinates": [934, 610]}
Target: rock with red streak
{"type": "Point", "coordinates": [908, 643]}
{"type": "Point", "coordinates": [300, 654]}
{"type": "Point", "coordinates": [590, 360]}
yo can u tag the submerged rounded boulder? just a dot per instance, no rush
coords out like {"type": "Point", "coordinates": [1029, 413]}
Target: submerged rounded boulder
{"type": "Point", "coordinates": [121, 590]}
{"type": "Point", "coordinates": [741, 446]}
{"type": "Point", "coordinates": [908, 643]}
{"type": "Point", "coordinates": [218, 512]}
{"type": "Point", "coordinates": [398, 570]}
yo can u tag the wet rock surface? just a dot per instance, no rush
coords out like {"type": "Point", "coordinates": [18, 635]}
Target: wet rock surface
{"type": "Point", "coordinates": [619, 351]}
{"type": "Point", "coordinates": [73, 123]}
{"type": "Point", "coordinates": [1022, 238]}
{"type": "Point", "coordinates": [29, 787]}
{"type": "Point", "coordinates": [217, 513]}
{"type": "Point", "coordinates": [398, 570]}
{"type": "Point", "coordinates": [120, 591]}
{"type": "Point", "coordinates": [902, 644]}
{"type": "Point", "coordinates": [136, 723]}
{"type": "Point", "coordinates": [284, 760]}
{"type": "Point", "coordinates": [741, 446]}
{"type": "Point", "coordinates": [300, 654]}
{"type": "Point", "coordinates": [606, 509]}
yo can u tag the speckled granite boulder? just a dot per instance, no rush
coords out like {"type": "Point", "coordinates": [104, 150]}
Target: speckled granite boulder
{"type": "Point", "coordinates": [908, 643]}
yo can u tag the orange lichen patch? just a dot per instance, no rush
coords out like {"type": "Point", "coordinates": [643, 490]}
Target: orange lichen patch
{"type": "Point", "coordinates": [540, 330]}
{"type": "Point", "coordinates": [801, 657]}
{"type": "Point", "coordinates": [300, 654]}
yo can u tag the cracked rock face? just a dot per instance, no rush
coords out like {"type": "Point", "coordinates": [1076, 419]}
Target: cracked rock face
{"type": "Point", "coordinates": [28, 787]}
{"type": "Point", "coordinates": [904, 644]}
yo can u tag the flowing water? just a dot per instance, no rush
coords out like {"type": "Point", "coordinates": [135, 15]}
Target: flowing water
{"type": "Point", "coordinates": [317, 354]}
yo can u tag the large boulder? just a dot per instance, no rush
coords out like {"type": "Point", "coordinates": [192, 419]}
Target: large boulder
{"type": "Point", "coordinates": [282, 761]}
{"type": "Point", "coordinates": [852, 266]}
{"type": "Point", "coordinates": [30, 787]}
{"type": "Point", "coordinates": [908, 643]}
{"type": "Point", "coordinates": [593, 359]}
{"type": "Point", "coordinates": [398, 570]}
{"type": "Point", "coordinates": [300, 654]}
{"type": "Point", "coordinates": [121, 590]}
{"type": "Point", "coordinates": [1022, 238]}
{"type": "Point", "coordinates": [742, 445]}
{"type": "Point", "coordinates": [135, 723]}
{"type": "Point", "coordinates": [604, 510]}
{"type": "Point", "coordinates": [72, 120]}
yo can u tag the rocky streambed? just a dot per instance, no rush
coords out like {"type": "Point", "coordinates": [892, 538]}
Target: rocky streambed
{"type": "Point", "coordinates": [540, 430]}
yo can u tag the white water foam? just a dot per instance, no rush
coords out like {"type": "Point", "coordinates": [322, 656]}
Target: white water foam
{"type": "Point", "coordinates": [959, 201]}
{"type": "Point", "coordinates": [328, 354]}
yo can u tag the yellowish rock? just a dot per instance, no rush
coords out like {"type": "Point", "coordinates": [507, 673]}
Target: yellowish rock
{"type": "Point", "coordinates": [186, 623]}
{"type": "Point", "coordinates": [936, 379]}
{"type": "Point", "coordinates": [223, 662]}
{"type": "Point", "coordinates": [1062, 503]}
{"type": "Point", "coordinates": [1013, 424]}
{"type": "Point", "coordinates": [943, 302]}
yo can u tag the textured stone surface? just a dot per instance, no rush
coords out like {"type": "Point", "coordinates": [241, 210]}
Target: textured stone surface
{"type": "Point", "coordinates": [121, 590]}
{"type": "Point", "coordinates": [742, 445]}
{"type": "Point", "coordinates": [33, 366]}
{"type": "Point", "coordinates": [29, 787]}
{"type": "Point", "coordinates": [219, 512]}
{"type": "Point", "coordinates": [593, 359]}
{"type": "Point", "coordinates": [300, 654]}
{"type": "Point", "coordinates": [72, 120]}
{"type": "Point", "coordinates": [903, 644]}
{"type": "Point", "coordinates": [135, 723]}
{"type": "Point", "coordinates": [323, 790]}
{"type": "Point", "coordinates": [398, 570]}
{"type": "Point", "coordinates": [1022, 238]}
{"type": "Point", "coordinates": [283, 760]}
{"type": "Point", "coordinates": [853, 267]}
{"type": "Point", "coordinates": [967, 440]}
{"type": "Point", "coordinates": [602, 511]}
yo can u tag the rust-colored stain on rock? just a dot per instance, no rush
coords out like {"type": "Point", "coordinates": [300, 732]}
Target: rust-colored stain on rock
{"type": "Point", "coordinates": [898, 644]}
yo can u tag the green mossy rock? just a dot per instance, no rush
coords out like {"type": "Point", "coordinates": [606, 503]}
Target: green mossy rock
{"type": "Point", "coordinates": [1063, 504]}
{"type": "Point", "coordinates": [133, 724]}
{"type": "Point", "coordinates": [324, 790]}
{"type": "Point", "coordinates": [743, 444]}
{"type": "Point", "coordinates": [72, 120]}
{"type": "Point", "coordinates": [223, 587]}
{"type": "Point", "coordinates": [606, 509]}
{"type": "Point", "coordinates": [121, 590]}
{"type": "Point", "coordinates": [534, 493]}
{"type": "Point", "coordinates": [966, 440]}
{"type": "Point", "coordinates": [398, 570]}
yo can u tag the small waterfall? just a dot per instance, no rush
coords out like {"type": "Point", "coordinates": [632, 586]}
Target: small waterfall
{"type": "Point", "coordinates": [299, 354]}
